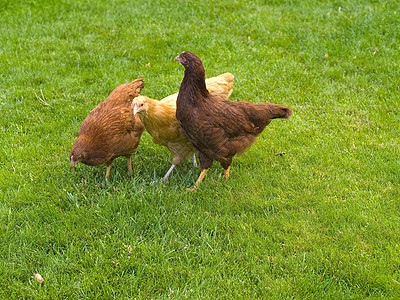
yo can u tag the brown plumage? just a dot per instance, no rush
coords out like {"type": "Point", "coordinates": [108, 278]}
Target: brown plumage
{"type": "Point", "coordinates": [110, 130]}
{"type": "Point", "coordinates": [159, 119]}
{"type": "Point", "coordinates": [218, 128]}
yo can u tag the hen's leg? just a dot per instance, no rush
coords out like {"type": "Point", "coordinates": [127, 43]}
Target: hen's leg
{"type": "Point", "coordinates": [168, 173]}
{"type": "Point", "coordinates": [194, 160]}
{"type": "Point", "coordinates": [200, 179]}
{"type": "Point", "coordinates": [226, 173]}
{"type": "Point", "coordinates": [108, 164]}
{"type": "Point", "coordinates": [129, 161]}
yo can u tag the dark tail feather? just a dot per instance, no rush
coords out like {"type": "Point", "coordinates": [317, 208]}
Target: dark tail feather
{"type": "Point", "coordinates": [281, 112]}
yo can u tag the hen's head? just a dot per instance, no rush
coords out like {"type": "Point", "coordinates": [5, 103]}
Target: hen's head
{"type": "Point", "coordinates": [189, 60]}
{"type": "Point", "coordinates": [76, 156]}
{"type": "Point", "coordinates": [140, 105]}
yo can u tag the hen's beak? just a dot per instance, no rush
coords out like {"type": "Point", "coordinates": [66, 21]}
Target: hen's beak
{"type": "Point", "coordinates": [176, 58]}
{"type": "Point", "coordinates": [135, 109]}
{"type": "Point", "coordinates": [73, 162]}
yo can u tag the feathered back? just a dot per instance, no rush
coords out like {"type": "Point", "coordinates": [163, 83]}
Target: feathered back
{"type": "Point", "coordinates": [221, 85]}
{"type": "Point", "coordinates": [116, 108]}
{"type": "Point", "coordinates": [126, 91]}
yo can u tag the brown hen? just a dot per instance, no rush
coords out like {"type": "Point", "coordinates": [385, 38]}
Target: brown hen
{"type": "Point", "coordinates": [218, 128]}
{"type": "Point", "coordinates": [159, 119]}
{"type": "Point", "coordinates": [110, 130]}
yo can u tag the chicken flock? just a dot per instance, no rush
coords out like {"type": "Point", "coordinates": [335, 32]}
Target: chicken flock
{"type": "Point", "coordinates": [199, 119]}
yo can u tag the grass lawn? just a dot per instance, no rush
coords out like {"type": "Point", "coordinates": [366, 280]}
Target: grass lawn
{"type": "Point", "coordinates": [321, 222]}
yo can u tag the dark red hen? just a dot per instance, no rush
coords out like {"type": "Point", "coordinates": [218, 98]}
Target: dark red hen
{"type": "Point", "coordinates": [219, 129]}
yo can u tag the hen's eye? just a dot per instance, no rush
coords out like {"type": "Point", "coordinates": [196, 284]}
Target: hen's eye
{"type": "Point", "coordinates": [141, 104]}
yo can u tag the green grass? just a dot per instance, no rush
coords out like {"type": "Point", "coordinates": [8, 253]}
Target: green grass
{"type": "Point", "coordinates": [321, 222]}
